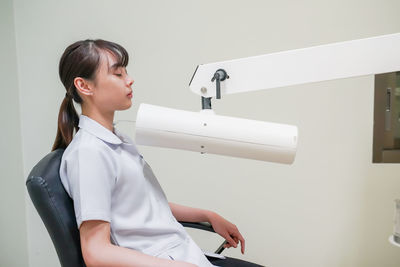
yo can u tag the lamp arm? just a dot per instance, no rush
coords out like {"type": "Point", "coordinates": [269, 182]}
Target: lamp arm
{"type": "Point", "coordinates": [360, 57]}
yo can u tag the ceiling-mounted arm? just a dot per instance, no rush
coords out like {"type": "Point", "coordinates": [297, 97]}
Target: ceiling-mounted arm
{"type": "Point", "coordinates": [374, 55]}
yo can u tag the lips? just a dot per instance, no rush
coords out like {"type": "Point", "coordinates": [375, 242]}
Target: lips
{"type": "Point", "coordinates": [129, 95]}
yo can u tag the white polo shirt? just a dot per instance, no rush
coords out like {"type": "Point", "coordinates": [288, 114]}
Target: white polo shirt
{"type": "Point", "coordinates": [109, 180]}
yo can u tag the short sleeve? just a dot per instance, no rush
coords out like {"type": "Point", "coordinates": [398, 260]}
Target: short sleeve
{"type": "Point", "coordinates": [91, 176]}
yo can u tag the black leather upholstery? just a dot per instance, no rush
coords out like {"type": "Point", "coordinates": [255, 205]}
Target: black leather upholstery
{"type": "Point", "coordinates": [55, 208]}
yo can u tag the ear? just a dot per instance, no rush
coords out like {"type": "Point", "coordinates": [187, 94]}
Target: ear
{"type": "Point", "coordinates": [83, 86]}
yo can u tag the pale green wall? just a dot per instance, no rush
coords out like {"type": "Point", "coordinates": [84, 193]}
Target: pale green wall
{"type": "Point", "coordinates": [331, 208]}
{"type": "Point", "coordinates": [13, 233]}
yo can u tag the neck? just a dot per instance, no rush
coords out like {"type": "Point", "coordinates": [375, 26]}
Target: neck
{"type": "Point", "coordinates": [106, 119]}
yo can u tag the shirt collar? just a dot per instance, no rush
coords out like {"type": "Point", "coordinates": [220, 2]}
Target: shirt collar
{"type": "Point", "coordinates": [123, 137]}
{"type": "Point", "coordinates": [98, 130]}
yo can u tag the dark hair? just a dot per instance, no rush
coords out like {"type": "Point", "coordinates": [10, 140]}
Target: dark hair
{"type": "Point", "coordinates": [80, 59]}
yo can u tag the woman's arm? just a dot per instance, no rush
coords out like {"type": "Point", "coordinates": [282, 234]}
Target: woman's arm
{"type": "Point", "coordinates": [98, 251]}
{"type": "Point", "coordinates": [221, 226]}
{"type": "Point", "coordinates": [188, 214]}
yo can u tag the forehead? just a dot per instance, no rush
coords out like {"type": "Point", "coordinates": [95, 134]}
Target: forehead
{"type": "Point", "coordinates": [108, 62]}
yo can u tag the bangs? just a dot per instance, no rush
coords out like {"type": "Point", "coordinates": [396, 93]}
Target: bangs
{"type": "Point", "coordinates": [120, 54]}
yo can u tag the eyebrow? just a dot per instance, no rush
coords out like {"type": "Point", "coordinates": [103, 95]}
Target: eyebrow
{"type": "Point", "coordinates": [115, 65]}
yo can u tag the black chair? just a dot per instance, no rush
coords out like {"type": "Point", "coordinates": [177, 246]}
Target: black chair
{"type": "Point", "coordinates": [56, 210]}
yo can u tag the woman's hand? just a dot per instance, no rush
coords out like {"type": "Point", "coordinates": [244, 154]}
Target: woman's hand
{"type": "Point", "coordinates": [227, 230]}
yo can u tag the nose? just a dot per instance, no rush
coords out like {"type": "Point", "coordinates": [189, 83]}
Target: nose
{"type": "Point", "coordinates": [129, 81]}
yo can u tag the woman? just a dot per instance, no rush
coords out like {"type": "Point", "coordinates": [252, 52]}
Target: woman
{"type": "Point", "coordinates": [123, 216]}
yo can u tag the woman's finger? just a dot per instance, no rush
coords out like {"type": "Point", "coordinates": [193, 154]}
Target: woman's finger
{"type": "Point", "coordinates": [231, 241]}
{"type": "Point", "coordinates": [242, 243]}
{"type": "Point", "coordinates": [238, 237]}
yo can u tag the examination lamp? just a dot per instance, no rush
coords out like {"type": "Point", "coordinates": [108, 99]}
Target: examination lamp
{"type": "Point", "coordinates": [207, 132]}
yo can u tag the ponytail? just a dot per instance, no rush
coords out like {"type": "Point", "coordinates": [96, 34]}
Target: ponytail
{"type": "Point", "coordinates": [68, 121]}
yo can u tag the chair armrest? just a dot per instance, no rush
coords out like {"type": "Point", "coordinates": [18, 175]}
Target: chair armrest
{"type": "Point", "coordinates": [199, 225]}
{"type": "Point", "coordinates": [207, 227]}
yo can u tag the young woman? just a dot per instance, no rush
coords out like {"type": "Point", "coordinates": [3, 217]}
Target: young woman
{"type": "Point", "coordinates": [122, 214]}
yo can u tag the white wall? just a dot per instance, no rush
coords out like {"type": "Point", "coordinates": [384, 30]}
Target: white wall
{"type": "Point", "coordinates": [332, 207]}
{"type": "Point", "coordinates": [13, 234]}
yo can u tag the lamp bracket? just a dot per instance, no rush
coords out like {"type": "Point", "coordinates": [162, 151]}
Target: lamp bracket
{"type": "Point", "coordinates": [219, 75]}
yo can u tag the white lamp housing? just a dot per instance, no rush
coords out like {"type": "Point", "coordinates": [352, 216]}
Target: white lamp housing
{"type": "Point", "coordinates": [206, 132]}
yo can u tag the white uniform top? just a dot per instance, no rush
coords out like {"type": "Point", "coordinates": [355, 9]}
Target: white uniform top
{"type": "Point", "coordinates": [109, 180]}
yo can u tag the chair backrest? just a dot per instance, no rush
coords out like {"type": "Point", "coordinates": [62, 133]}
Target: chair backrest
{"type": "Point", "coordinates": [55, 208]}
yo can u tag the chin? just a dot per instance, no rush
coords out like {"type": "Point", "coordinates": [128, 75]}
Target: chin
{"type": "Point", "coordinates": [126, 106]}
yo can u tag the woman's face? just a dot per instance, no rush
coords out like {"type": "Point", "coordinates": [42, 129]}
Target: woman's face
{"type": "Point", "coordinates": [112, 86]}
